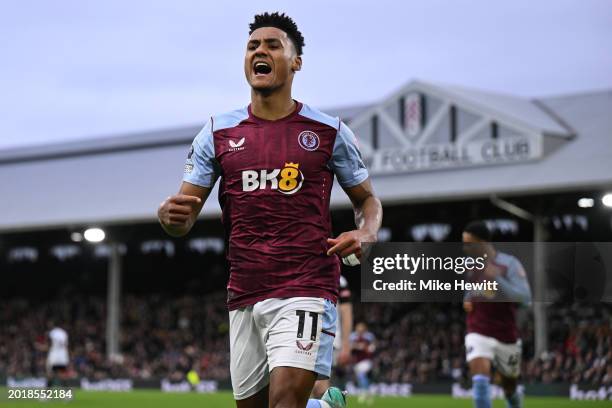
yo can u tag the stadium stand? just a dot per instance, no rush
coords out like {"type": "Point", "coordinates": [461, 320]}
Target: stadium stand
{"type": "Point", "coordinates": [165, 336]}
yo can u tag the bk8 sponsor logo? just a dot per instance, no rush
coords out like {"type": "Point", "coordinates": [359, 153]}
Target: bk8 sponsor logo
{"type": "Point", "coordinates": [287, 180]}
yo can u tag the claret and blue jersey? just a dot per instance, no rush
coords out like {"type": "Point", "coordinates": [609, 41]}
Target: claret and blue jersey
{"type": "Point", "coordinates": [275, 184]}
{"type": "Point", "coordinates": [496, 317]}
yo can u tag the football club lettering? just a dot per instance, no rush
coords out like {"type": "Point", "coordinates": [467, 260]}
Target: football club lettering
{"type": "Point", "coordinates": [287, 180]}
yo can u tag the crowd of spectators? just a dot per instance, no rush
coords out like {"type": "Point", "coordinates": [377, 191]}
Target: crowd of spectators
{"type": "Point", "coordinates": [161, 337]}
{"type": "Point", "coordinates": [580, 347]}
{"type": "Point", "coordinates": [165, 337]}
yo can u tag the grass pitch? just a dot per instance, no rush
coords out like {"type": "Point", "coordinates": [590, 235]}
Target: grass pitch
{"type": "Point", "coordinates": [158, 399]}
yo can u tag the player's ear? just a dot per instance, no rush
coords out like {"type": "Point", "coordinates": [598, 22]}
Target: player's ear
{"type": "Point", "coordinates": [297, 64]}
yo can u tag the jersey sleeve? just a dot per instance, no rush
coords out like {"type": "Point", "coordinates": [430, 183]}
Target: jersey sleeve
{"type": "Point", "coordinates": [515, 285]}
{"type": "Point", "coordinates": [346, 161]}
{"type": "Point", "coordinates": [201, 167]}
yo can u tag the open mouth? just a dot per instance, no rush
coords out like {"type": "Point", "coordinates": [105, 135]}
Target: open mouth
{"type": "Point", "coordinates": [262, 68]}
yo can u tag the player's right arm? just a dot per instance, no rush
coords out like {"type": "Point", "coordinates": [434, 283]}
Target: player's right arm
{"type": "Point", "coordinates": [178, 213]}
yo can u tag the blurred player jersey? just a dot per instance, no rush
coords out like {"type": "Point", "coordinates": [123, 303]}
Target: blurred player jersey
{"type": "Point", "coordinates": [496, 316]}
{"type": "Point", "coordinates": [276, 180]}
{"type": "Point", "coordinates": [343, 297]}
{"type": "Point", "coordinates": [362, 345]}
{"type": "Point", "coordinates": [58, 352]}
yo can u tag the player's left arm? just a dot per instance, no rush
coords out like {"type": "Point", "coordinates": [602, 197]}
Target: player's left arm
{"type": "Point", "coordinates": [514, 284]}
{"type": "Point", "coordinates": [368, 217]}
{"type": "Point", "coordinates": [353, 176]}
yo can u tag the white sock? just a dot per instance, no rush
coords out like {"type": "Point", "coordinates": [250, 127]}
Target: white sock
{"type": "Point", "coordinates": [313, 403]}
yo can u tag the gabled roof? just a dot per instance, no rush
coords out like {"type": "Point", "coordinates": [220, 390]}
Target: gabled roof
{"type": "Point", "coordinates": [514, 110]}
{"type": "Point", "coordinates": [582, 164]}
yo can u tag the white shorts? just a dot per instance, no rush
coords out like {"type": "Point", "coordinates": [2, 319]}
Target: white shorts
{"type": "Point", "coordinates": [363, 367]}
{"type": "Point", "coordinates": [57, 357]}
{"type": "Point", "coordinates": [506, 357]}
{"type": "Point", "coordinates": [293, 332]}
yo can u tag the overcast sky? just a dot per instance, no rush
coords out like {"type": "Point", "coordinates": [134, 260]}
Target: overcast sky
{"type": "Point", "coordinates": [78, 69]}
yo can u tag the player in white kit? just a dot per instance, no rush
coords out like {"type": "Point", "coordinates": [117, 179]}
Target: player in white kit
{"type": "Point", "coordinates": [57, 359]}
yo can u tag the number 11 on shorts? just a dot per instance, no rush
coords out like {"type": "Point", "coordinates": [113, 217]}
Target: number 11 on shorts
{"type": "Point", "coordinates": [313, 328]}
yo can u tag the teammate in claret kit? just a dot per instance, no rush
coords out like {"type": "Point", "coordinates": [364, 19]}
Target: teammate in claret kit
{"type": "Point", "coordinates": [276, 160]}
{"type": "Point", "coordinates": [363, 347]}
{"type": "Point", "coordinates": [492, 334]}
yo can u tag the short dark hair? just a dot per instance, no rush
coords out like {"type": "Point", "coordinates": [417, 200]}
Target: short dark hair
{"type": "Point", "coordinates": [282, 22]}
{"type": "Point", "coordinates": [479, 229]}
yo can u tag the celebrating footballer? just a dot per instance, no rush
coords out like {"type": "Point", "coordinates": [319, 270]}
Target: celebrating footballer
{"type": "Point", "coordinates": [275, 161]}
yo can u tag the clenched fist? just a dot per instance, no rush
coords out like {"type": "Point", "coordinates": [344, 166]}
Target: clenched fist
{"type": "Point", "coordinates": [349, 243]}
{"type": "Point", "coordinates": [178, 212]}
